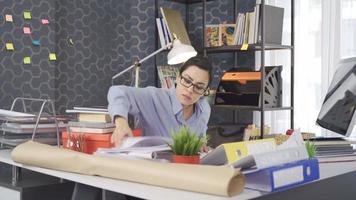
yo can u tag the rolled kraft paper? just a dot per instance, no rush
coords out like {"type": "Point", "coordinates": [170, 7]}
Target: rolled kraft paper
{"type": "Point", "coordinates": [216, 180]}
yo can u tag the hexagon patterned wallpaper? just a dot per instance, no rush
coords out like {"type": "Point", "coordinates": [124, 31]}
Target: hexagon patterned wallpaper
{"type": "Point", "coordinates": [93, 40]}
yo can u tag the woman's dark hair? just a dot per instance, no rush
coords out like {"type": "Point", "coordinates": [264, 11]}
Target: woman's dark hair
{"type": "Point", "coordinates": [199, 61]}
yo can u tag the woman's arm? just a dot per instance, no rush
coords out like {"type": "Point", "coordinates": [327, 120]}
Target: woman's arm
{"type": "Point", "coordinates": [122, 101]}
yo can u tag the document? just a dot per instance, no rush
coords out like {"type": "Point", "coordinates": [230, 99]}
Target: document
{"type": "Point", "coordinates": [146, 147]}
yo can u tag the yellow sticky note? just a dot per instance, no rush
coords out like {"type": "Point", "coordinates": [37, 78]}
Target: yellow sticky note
{"type": "Point", "coordinates": [52, 56]}
{"type": "Point", "coordinates": [27, 60]}
{"type": "Point", "coordinates": [8, 18]}
{"type": "Point", "coordinates": [244, 47]}
{"type": "Point", "coordinates": [27, 15]}
{"type": "Point", "coordinates": [9, 46]}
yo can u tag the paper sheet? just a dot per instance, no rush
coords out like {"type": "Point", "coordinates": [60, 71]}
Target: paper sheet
{"type": "Point", "coordinates": [216, 180]}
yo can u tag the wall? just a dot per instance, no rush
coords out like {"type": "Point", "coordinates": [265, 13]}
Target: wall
{"type": "Point", "coordinates": [93, 40]}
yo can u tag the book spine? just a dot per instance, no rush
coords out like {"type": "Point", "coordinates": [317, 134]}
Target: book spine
{"type": "Point", "coordinates": [160, 32]}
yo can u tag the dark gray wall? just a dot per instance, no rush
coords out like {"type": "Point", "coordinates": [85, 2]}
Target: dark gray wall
{"type": "Point", "coordinates": [106, 38]}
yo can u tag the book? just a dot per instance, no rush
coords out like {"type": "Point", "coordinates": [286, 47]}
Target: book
{"type": "Point", "coordinates": [91, 130]}
{"type": "Point", "coordinates": [91, 124]}
{"type": "Point", "coordinates": [212, 35]}
{"type": "Point", "coordinates": [273, 25]}
{"type": "Point", "coordinates": [226, 34]}
{"type": "Point", "coordinates": [167, 75]}
{"type": "Point", "coordinates": [145, 147]}
{"type": "Point", "coordinates": [94, 117]}
{"type": "Point", "coordinates": [175, 25]}
{"type": "Point", "coordinates": [98, 109]}
{"type": "Point", "coordinates": [160, 32]}
{"type": "Point", "coordinates": [284, 176]}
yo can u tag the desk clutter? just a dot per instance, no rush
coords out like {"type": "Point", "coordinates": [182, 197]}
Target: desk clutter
{"type": "Point", "coordinates": [42, 125]}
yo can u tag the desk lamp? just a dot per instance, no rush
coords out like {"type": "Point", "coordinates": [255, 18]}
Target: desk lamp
{"type": "Point", "coordinates": [179, 53]}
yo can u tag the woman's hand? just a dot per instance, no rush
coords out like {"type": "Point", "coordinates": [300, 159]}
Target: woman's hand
{"type": "Point", "coordinates": [121, 131]}
{"type": "Point", "coordinates": [204, 148]}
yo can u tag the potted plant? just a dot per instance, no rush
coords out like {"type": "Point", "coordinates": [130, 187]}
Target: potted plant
{"type": "Point", "coordinates": [186, 146]}
{"type": "Point", "coordinates": [311, 149]}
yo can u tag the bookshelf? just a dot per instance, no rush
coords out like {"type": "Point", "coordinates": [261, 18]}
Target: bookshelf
{"type": "Point", "coordinates": [262, 47]}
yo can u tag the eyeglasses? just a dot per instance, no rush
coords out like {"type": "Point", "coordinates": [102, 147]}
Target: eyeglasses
{"type": "Point", "coordinates": [186, 82]}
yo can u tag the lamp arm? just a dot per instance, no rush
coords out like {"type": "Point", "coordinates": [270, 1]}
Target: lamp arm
{"type": "Point", "coordinates": [142, 60]}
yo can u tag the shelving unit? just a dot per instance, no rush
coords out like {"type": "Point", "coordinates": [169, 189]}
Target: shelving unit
{"type": "Point", "coordinates": [262, 47]}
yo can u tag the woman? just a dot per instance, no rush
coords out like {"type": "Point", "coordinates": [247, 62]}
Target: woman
{"type": "Point", "coordinates": [159, 111]}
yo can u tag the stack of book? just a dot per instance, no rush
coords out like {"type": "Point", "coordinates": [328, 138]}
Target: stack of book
{"type": "Point", "coordinates": [332, 147]}
{"type": "Point", "coordinates": [91, 129]}
{"type": "Point", "coordinates": [247, 28]}
{"type": "Point", "coordinates": [91, 120]}
{"type": "Point", "coordinates": [167, 75]}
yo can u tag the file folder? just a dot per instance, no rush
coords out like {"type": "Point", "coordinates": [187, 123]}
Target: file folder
{"type": "Point", "coordinates": [230, 152]}
{"type": "Point", "coordinates": [281, 177]}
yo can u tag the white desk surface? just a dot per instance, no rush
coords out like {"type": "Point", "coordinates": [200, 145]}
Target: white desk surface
{"type": "Point", "coordinates": [154, 192]}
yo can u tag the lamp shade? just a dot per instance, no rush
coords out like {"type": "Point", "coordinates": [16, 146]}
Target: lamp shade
{"type": "Point", "coordinates": [180, 53]}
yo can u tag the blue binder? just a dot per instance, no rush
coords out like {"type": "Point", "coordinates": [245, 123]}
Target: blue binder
{"type": "Point", "coordinates": [284, 176]}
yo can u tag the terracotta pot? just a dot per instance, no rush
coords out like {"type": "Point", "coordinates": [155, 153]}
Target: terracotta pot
{"type": "Point", "coordinates": [195, 159]}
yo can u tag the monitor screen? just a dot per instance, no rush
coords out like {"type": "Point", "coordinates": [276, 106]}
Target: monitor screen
{"type": "Point", "coordinates": [337, 113]}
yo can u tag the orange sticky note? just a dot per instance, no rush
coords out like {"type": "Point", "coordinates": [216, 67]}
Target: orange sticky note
{"type": "Point", "coordinates": [27, 30]}
{"type": "Point", "coordinates": [45, 21]}
{"type": "Point", "coordinates": [52, 56]}
{"type": "Point", "coordinates": [244, 47]}
{"type": "Point", "coordinates": [8, 18]}
{"type": "Point", "coordinates": [9, 46]}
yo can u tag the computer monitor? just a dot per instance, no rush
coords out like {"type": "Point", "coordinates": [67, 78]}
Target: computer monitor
{"type": "Point", "coordinates": [338, 113]}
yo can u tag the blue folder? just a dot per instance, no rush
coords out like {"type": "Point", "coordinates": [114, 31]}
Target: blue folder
{"type": "Point", "coordinates": [284, 176]}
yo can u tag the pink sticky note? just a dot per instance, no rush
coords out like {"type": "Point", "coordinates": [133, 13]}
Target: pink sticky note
{"type": "Point", "coordinates": [26, 30]}
{"type": "Point", "coordinates": [45, 21]}
{"type": "Point", "coordinates": [8, 18]}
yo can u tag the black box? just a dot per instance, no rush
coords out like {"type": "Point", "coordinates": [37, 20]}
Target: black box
{"type": "Point", "coordinates": [243, 88]}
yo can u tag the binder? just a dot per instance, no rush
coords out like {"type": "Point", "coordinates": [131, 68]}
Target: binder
{"type": "Point", "coordinates": [230, 152]}
{"type": "Point", "coordinates": [281, 177]}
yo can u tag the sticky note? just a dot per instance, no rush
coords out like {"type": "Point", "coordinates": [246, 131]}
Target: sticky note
{"type": "Point", "coordinates": [8, 18]}
{"type": "Point", "coordinates": [9, 46]}
{"type": "Point", "coordinates": [27, 60]}
{"type": "Point", "coordinates": [244, 47]}
{"type": "Point", "coordinates": [45, 21]}
{"type": "Point", "coordinates": [35, 42]}
{"type": "Point", "coordinates": [52, 56]}
{"type": "Point", "coordinates": [27, 15]}
{"type": "Point", "coordinates": [27, 30]}
{"type": "Point", "coordinates": [71, 41]}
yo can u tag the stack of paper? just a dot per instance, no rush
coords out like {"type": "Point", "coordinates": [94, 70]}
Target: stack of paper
{"type": "Point", "coordinates": [148, 147]}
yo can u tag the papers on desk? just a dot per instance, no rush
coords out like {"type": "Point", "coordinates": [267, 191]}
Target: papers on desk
{"type": "Point", "coordinates": [9, 113]}
{"type": "Point", "coordinates": [290, 151]}
{"type": "Point", "coordinates": [146, 147]}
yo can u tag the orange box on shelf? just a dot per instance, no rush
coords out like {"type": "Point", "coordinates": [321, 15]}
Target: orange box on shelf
{"type": "Point", "coordinates": [90, 142]}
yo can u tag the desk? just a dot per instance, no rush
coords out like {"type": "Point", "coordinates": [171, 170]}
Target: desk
{"type": "Point", "coordinates": [335, 178]}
